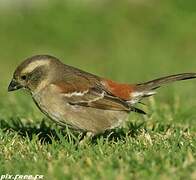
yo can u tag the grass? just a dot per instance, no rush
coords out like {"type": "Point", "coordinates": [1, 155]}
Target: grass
{"type": "Point", "coordinates": [128, 42]}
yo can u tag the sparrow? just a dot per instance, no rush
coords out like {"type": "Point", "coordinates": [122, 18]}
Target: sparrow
{"type": "Point", "coordinates": [80, 100]}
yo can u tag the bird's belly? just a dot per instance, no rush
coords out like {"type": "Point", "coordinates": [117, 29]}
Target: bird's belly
{"type": "Point", "coordinates": [80, 117]}
{"type": "Point", "coordinates": [94, 120]}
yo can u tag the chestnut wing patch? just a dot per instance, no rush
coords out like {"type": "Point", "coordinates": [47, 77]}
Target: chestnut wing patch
{"type": "Point", "coordinates": [120, 90]}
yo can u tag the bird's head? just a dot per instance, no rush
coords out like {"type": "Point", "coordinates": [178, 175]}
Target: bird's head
{"type": "Point", "coordinates": [34, 73]}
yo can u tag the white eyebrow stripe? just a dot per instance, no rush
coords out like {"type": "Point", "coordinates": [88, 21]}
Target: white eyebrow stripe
{"type": "Point", "coordinates": [34, 65]}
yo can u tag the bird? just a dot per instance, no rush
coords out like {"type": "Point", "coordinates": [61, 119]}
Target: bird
{"type": "Point", "coordinates": [80, 100]}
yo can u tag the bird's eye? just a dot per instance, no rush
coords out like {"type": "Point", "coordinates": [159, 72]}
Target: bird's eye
{"type": "Point", "coordinates": [24, 77]}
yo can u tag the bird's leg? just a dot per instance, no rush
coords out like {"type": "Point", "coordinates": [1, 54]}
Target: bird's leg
{"type": "Point", "coordinates": [86, 138]}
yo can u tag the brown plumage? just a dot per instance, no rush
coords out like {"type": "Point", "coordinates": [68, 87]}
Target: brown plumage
{"type": "Point", "coordinates": [81, 100]}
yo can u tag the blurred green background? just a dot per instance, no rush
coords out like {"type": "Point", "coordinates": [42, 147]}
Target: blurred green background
{"type": "Point", "coordinates": [128, 41]}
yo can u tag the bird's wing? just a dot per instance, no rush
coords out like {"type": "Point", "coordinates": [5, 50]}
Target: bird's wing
{"type": "Point", "coordinates": [90, 95]}
{"type": "Point", "coordinates": [84, 89]}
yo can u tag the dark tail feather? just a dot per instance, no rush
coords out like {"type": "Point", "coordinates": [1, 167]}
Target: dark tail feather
{"type": "Point", "coordinates": [154, 84]}
{"type": "Point", "coordinates": [134, 109]}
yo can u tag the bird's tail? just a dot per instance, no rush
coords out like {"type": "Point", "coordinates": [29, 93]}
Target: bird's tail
{"type": "Point", "coordinates": [156, 83]}
{"type": "Point", "coordinates": [148, 88]}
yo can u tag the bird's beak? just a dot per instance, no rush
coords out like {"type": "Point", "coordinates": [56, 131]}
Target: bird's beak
{"type": "Point", "coordinates": [14, 85]}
